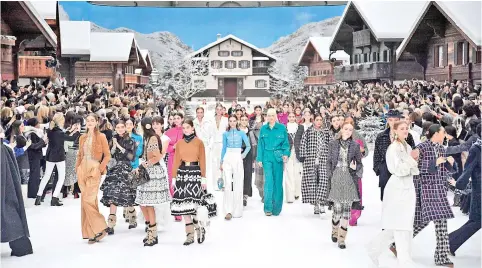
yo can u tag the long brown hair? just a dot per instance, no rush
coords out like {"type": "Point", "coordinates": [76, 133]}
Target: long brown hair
{"type": "Point", "coordinates": [338, 136]}
{"type": "Point", "coordinates": [96, 117]}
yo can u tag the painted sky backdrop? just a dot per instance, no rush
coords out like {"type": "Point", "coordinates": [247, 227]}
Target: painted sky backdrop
{"type": "Point", "coordinates": [198, 26]}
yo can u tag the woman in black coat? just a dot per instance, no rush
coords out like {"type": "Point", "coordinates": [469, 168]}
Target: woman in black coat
{"type": "Point", "coordinates": [35, 134]}
{"type": "Point", "coordinates": [472, 170]}
{"type": "Point", "coordinates": [14, 227]}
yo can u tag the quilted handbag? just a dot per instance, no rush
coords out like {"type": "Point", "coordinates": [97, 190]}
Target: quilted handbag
{"type": "Point", "coordinates": [138, 178]}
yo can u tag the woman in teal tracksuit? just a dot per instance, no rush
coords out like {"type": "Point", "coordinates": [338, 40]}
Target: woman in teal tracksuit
{"type": "Point", "coordinates": [273, 152]}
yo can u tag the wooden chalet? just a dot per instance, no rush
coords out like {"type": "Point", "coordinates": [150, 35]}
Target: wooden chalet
{"type": "Point", "coordinates": [27, 42]}
{"type": "Point", "coordinates": [445, 40]}
{"type": "Point", "coordinates": [370, 32]}
{"type": "Point", "coordinates": [320, 62]}
{"type": "Point", "coordinates": [102, 57]}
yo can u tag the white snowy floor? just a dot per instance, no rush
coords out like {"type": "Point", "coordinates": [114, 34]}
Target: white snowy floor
{"type": "Point", "coordinates": [296, 238]}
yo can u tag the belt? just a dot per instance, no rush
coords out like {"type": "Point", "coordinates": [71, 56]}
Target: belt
{"type": "Point", "coordinates": [187, 164]}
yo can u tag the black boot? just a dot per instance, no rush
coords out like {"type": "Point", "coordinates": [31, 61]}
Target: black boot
{"type": "Point", "coordinates": [55, 202]}
{"type": "Point", "coordinates": [38, 200]}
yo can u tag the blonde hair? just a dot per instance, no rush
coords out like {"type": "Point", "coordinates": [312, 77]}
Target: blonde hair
{"type": "Point", "coordinates": [29, 114]}
{"type": "Point", "coordinates": [271, 111]}
{"type": "Point", "coordinates": [57, 120]}
{"type": "Point", "coordinates": [43, 112]}
{"type": "Point", "coordinates": [6, 112]}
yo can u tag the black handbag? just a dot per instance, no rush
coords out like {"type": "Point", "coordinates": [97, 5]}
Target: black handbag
{"type": "Point", "coordinates": [138, 178]}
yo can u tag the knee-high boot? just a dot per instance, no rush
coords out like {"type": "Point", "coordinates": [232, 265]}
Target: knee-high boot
{"type": "Point", "coordinates": [189, 234]}
{"type": "Point", "coordinates": [342, 234]}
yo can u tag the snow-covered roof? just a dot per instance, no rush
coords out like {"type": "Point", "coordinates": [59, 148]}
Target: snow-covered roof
{"type": "Point", "coordinates": [110, 46]}
{"type": "Point", "coordinates": [45, 28]}
{"type": "Point", "coordinates": [464, 15]}
{"type": "Point", "coordinates": [227, 37]}
{"type": "Point", "coordinates": [322, 47]}
{"type": "Point", "coordinates": [75, 38]}
{"type": "Point", "coordinates": [387, 20]}
{"type": "Point", "coordinates": [146, 55]}
{"type": "Point", "coordinates": [46, 9]}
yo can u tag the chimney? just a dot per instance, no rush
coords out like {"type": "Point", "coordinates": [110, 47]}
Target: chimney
{"type": "Point", "coordinates": [218, 36]}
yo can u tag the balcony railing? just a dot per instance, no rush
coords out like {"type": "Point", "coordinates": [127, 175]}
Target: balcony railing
{"type": "Point", "coordinates": [130, 78]}
{"type": "Point", "coordinates": [364, 71]}
{"type": "Point", "coordinates": [260, 70]}
{"type": "Point", "coordinates": [319, 80]}
{"type": "Point", "coordinates": [34, 66]}
{"type": "Point", "coordinates": [143, 80]}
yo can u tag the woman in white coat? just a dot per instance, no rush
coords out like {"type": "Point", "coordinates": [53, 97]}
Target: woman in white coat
{"type": "Point", "coordinates": [399, 204]}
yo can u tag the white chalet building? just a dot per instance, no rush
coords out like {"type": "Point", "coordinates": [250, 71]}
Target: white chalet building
{"type": "Point", "coordinates": [237, 70]}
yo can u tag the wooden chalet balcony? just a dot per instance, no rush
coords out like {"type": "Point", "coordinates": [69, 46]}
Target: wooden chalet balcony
{"type": "Point", "coordinates": [319, 80]}
{"type": "Point", "coordinates": [143, 80]}
{"type": "Point", "coordinates": [364, 71]}
{"type": "Point", "coordinates": [136, 79]}
{"type": "Point", "coordinates": [260, 70]}
{"type": "Point", "coordinates": [34, 67]}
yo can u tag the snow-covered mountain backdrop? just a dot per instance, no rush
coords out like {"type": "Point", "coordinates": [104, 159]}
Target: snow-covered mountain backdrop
{"type": "Point", "coordinates": [165, 46]}
{"type": "Point", "coordinates": [162, 46]}
{"type": "Point", "coordinates": [289, 48]}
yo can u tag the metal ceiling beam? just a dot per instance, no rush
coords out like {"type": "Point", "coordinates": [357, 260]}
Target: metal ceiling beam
{"type": "Point", "coordinates": [217, 4]}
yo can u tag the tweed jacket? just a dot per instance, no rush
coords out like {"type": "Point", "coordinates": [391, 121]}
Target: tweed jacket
{"type": "Point", "coordinates": [353, 154]}
{"type": "Point", "coordinates": [100, 150]}
{"type": "Point", "coordinates": [431, 185]}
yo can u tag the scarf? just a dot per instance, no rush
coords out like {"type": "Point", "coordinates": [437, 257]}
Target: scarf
{"type": "Point", "coordinates": [189, 138]}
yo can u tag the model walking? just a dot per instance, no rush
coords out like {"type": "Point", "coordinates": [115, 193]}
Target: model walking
{"type": "Point", "coordinates": [189, 171]}
{"type": "Point", "coordinates": [221, 126]}
{"type": "Point", "coordinates": [344, 167]}
{"type": "Point", "coordinates": [399, 205]}
{"type": "Point", "coordinates": [273, 152]}
{"type": "Point", "coordinates": [292, 169]}
{"type": "Point", "coordinates": [116, 191]}
{"type": "Point", "coordinates": [431, 191]}
{"type": "Point", "coordinates": [232, 167]}
{"type": "Point", "coordinates": [248, 160]}
{"type": "Point", "coordinates": [205, 131]}
{"type": "Point", "coordinates": [156, 190]}
{"type": "Point", "coordinates": [175, 134]}
{"type": "Point", "coordinates": [314, 152]}
{"type": "Point", "coordinates": [92, 160]}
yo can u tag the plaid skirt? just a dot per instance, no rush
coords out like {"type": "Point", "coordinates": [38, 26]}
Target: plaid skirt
{"type": "Point", "coordinates": [187, 191]}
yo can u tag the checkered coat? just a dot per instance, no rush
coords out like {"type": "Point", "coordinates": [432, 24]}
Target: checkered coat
{"type": "Point", "coordinates": [431, 185]}
{"type": "Point", "coordinates": [313, 190]}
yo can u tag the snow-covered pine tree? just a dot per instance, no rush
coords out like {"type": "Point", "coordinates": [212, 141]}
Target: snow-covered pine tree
{"type": "Point", "coordinates": [370, 127]}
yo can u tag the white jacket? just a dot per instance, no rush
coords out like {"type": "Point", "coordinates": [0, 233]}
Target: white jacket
{"type": "Point", "coordinates": [399, 198]}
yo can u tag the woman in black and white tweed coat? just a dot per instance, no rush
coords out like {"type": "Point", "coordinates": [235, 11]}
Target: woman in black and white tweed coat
{"type": "Point", "coordinates": [313, 152]}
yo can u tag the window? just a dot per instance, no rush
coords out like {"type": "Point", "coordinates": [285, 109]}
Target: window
{"type": "Point", "coordinates": [375, 56]}
{"type": "Point", "coordinates": [199, 84]}
{"type": "Point", "coordinates": [259, 63]}
{"type": "Point", "coordinates": [216, 64]}
{"type": "Point", "coordinates": [439, 56]}
{"type": "Point", "coordinates": [461, 53]}
{"type": "Point", "coordinates": [237, 53]}
{"type": "Point", "coordinates": [365, 57]}
{"type": "Point", "coordinates": [223, 53]}
{"type": "Point", "coordinates": [230, 64]}
{"type": "Point", "coordinates": [244, 64]}
{"type": "Point", "coordinates": [129, 69]}
{"type": "Point", "coordinates": [386, 55]}
{"type": "Point", "coordinates": [477, 57]}
{"type": "Point", "coordinates": [260, 83]}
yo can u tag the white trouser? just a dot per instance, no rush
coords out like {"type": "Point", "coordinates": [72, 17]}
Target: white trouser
{"type": "Point", "coordinates": [292, 178]}
{"type": "Point", "coordinates": [233, 182]}
{"type": "Point", "coordinates": [216, 164]}
{"type": "Point", "coordinates": [49, 168]}
{"type": "Point", "coordinates": [403, 240]}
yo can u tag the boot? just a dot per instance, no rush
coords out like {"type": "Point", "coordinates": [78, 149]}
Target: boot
{"type": "Point", "coordinates": [76, 195]}
{"type": "Point", "coordinates": [228, 217]}
{"type": "Point", "coordinates": [341, 237]}
{"type": "Point", "coordinates": [111, 221]}
{"type": "Point", "coordinates": [393, 249]}
{"type": "Point", "coordinates": [132, 219]}
{"type": "Point", "coordinates": [316, 209]}
{"type": "Point", "coordinates": [245, 200]}
{"type": "Point", "coordinates": [126, 214]}
{"type": "Point", "coordinates": [200, 232]}
{"type": "Point", "coordinates": [38, 200]}
{"type": "Point", "coordinates": [55, 202]}
{"type": "Point", "coordinates": [151, 236]}
{"type": "Point", "coordinates": [147, 226]}
{"type": "Point", "coordinates": [97, 237]}
{"type": "Point", "coordinates": [189, 234]}
{"type": "Point", "coordinates": [334, 230]}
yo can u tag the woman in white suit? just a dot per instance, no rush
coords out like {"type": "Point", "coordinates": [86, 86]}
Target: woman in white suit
{"type": "Point", "coordinates": [399, 203]}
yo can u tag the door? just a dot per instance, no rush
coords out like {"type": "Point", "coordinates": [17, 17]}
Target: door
{"type": "Point", "coordinates": [230, 88]}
